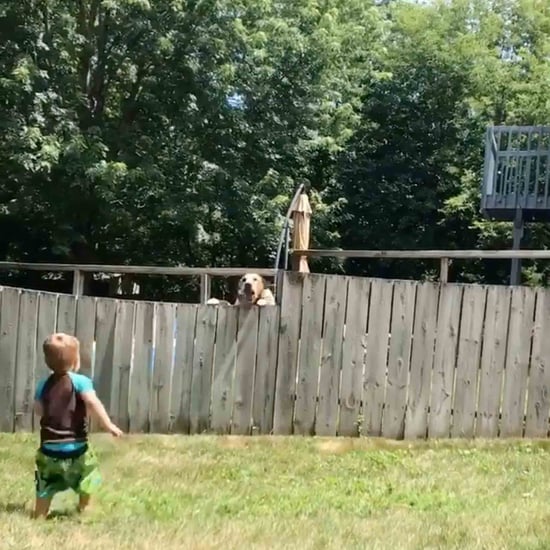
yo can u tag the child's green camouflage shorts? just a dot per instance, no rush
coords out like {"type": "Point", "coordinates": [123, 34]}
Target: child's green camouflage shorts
{"type": "Point", "coordinates": [54, 475]}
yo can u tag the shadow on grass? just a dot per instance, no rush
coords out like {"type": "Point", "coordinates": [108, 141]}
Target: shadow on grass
{"type": "Point", "coordinates": [19, 508]}
{"type": "Point", "coordinates": [24, 509]}
{"type": "Point", "coordinates": [63, 514]}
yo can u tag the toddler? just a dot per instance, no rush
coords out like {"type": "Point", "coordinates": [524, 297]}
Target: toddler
{"type": "Point", "coordinates": [63, 401]}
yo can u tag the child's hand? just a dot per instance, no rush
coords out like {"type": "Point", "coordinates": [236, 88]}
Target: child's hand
{"type": "Point", "coordinates": [115, 431]}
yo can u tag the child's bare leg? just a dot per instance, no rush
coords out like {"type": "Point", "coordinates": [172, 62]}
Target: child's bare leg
{"type": "Point", "coordinates": [41, 507]}
{"type": "Point", "coordinates": [83, 502]}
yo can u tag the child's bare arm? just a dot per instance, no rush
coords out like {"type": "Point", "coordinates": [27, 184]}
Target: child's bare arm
{"type": "Point", "coordinates": [95, 406]}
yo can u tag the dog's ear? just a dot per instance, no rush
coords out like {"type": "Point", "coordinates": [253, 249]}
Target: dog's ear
{"type": "Point", "coordinates": [262, 282]}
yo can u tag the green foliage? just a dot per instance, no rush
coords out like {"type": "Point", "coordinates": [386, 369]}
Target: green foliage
{"type": "Point", "coordinates": [172, 132]}
{"type": "Point", "coordinates": [175, 131]}
{"type": "Point", "coordinates": [414, 167]}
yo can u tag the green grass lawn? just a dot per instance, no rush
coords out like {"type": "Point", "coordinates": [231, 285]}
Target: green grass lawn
{"type": "Point", "coordinates": [164, 492]}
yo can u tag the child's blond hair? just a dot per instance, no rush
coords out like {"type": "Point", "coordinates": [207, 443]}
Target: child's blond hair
{"type": "Point", "coordinates": [61, 352]}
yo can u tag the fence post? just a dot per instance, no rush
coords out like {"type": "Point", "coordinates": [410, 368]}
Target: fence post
{"type": "Point", "coordinates": [517, 235]}
{"type": "Point", "coordinates": [78, 282]}
{"type": "Point", "coordinates": [205, 288]}
{"type": "Point", "coordinates": [444, 270]}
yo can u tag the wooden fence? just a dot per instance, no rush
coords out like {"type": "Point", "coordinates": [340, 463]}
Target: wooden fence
{"type": "Point", "coordinates": [338, 356]}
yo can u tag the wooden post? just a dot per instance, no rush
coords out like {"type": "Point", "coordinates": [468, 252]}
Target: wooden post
{"type": "Point", "coordinates": [78, 282]}
{"type": "Point", "coordinates": [517, 235]}
{"type": "Point", "coordinates": [444, 270]}
{"type": "Point", "coordinates": [301, 216]}
{"type": "Point", "coordinates": [205, 288]}
{"type": "Point", "coordinates": [286, 245]}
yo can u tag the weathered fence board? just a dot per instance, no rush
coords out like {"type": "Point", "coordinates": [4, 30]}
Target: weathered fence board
{"type": "Point", "coordinates": [66, 322]}
{"type": "Point", "coordinates": [326, 421]}
{"type": "Point", "coordinates": [104, 349]}
{"type": "Point", "coordinates": [122, 363]}
{"type": "Point", "coordinates": [467, 369]}
{"type": "Point", "coordinates": [203, 357]}
{"type": "Point", "coordinates": [25, 360]}
{"type": "Point", "coordinates": [448, 322]}
{"type": "Point", "coordinates": [339, 355]}
{"type": "Point", "coordinates": [162, 368]}
{"type": "Point", "coordinates": [266, 369]}
{"type": "Point", "coordinates": [538, 394]}
{"type": "Point", "coordinates": [493, 359]}
{"type": "Point", "coordinates": [180, 398]}
{"type": "Point", "coordinates": [377, 354]}
{"type": "Point", "coordinates": [517, 361]}
{"type": "Point", "coordinates": [393, 423]}
{"type": "Point", "coordinates": [309, 360]}
{"type": "Point", "coordinates": [289, 333]}
{"type": "Point", "coordinates": [422, 357]}
{"type": "Point", "coordinates": [47, 314]}
{"type": "Point", "coordinates": [247, 340]}
{"type": "Point", "coordinates": [224, 369]}
{"type": "Point", "coordinates": [66, 314]}
{"type": "Point", "coordinates": [353, 355]}
{"type": "Point", "coordinates": [85, 321]}
{"type": "Point", "coordinates": [8, 352]}
{"type": "Point", "coordinates": [85, 332]}
{"type": "Point", "coordinates": [141, 380]}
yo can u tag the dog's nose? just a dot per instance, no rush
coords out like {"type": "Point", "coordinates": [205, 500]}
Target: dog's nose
{"type": "Point", "coordinates": [247, 286]}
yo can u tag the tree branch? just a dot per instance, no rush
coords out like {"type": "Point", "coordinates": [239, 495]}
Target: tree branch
{"type": "Point", "coordinates": [129, 113]}
{"type": "Point", "coordinates": [98, 88]}
{"type": "Point", "coordinates": [85, 54]}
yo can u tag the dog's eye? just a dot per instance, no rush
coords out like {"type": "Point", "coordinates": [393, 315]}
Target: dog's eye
{"type": "Point", "coordinates": [255, 279]}
{"type": "Point", "coordinates": [243, 279]}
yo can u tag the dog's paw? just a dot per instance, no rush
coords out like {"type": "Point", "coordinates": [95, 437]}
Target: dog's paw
{"type": "Point", "coordinates": [261, 302]}
{"type": "Point", "coordinates": [213, 302]}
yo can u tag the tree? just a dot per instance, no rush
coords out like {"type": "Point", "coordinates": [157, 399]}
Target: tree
{"type": "Point", "coordinates": [170, 132]}
{"type": "Point", "coordinates": [414, 168]}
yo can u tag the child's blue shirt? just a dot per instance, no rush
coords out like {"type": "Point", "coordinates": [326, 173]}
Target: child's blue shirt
{"type": "Point", "coordinates": [82, 384]}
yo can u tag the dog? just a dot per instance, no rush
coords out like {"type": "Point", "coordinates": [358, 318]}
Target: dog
{"type": "Point", "coordinates": [251, 291]}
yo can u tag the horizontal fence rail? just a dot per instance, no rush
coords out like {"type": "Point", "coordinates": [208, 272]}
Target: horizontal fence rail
{"type": "Point", "coordinates": [337, 356]}
{"type": "Point", "coordinates": [139, 270]}
{"type": "Point", "coordinates": [206, 273]}
{"type": "Point", "coordinates": [444, 256]}
{"type": "Point", "coordinates": [78, 271]}
{"type": "Point", "coordinates": [428, 254]}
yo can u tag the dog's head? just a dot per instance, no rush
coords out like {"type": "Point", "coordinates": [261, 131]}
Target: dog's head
{"type": "Point", "coordinates": [251, 286]}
